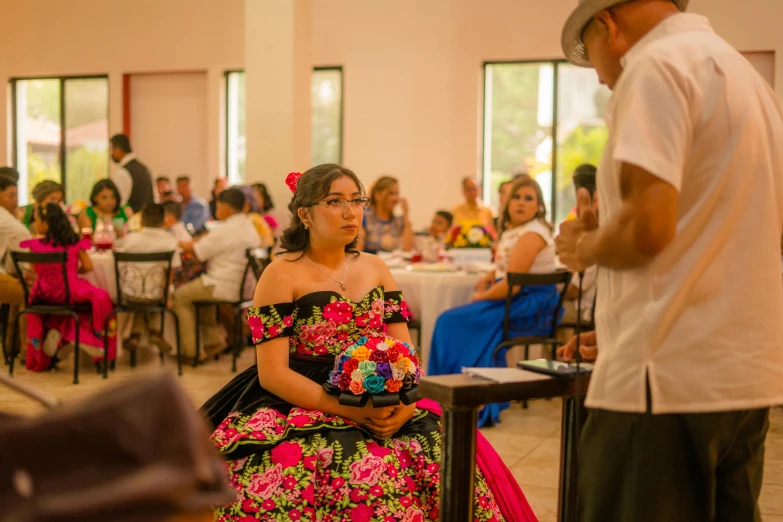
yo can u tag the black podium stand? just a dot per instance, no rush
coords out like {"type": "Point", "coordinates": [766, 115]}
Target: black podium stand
{"type": "Point", "coordinates": [461, 396]}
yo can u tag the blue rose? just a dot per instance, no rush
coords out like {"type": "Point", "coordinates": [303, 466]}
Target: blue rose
{"type": "Point", "coordinates": [374, 384]}
{"type": "Point", "coordinates": [384, 370]}
{"type": "Point", "coordinates": [361, 341]}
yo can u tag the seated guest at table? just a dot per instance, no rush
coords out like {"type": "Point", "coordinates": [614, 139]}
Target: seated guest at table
{"type": "Point", "coordinates": [441, 224]}
{"type": "Point", "coordinates": [382, 231]}
{"type": "Point", "coordinates": [265, 200]}
{"type": "Point", "coordinates": [388, 457]}
{"type": "Point", "coordinates": [105, 200]}
{"type": "Point", "coordinates": [584, 183]}
{"type": "Point", "coordinates": [11, 233]}
{"type": "Point", "coordinates": [195, 211]}
{"type": "Point", "coordinates": [221, 184]}
{"type": "Point", "coordinates": [224, 249]}
{"type": "Point", "coordinates": [47, 191]}
{"type": "Point", "coordinates": [172, 221]}
{"type": "Point", "coordinates": [152, 238]}
{"type": "Point", "coordinates": [473, 210]}
{"type": "Point", "coordinates": [503, 193]}
{"type": "Point", "coordinates": [49, 334]}
{"type": "Point", "coordinates": [253, 210]}
{"type": "Point", "coordinates": [466, 336]}
{"type": "Point", "coordinates": [163, 187]}
{"type": "Point", "coordinates": [584, 176]}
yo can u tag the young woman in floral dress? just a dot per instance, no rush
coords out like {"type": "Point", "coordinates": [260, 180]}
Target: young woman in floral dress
{"type": "Point", "coordinates": [294, 452]}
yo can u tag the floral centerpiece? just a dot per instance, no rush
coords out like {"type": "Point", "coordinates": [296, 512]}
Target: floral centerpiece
{"type": "Point", "coordinates": [469, 235]}
{"type": "Point", "coordinates": [379, 366]}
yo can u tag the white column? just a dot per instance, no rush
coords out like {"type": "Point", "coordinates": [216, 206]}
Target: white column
{"type": "Point", "coordinates": [278, 69]}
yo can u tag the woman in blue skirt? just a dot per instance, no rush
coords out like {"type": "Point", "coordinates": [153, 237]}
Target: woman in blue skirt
{"type": "Point", "coordinates": [466, 336]}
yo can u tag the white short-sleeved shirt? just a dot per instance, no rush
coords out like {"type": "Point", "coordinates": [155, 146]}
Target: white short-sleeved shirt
{"type": "Point", "coordinates": [12, 232]}
{"type": "Point", "coordinates": [146, 241]}
{"type": "Point", "coordinates": [705, 319]}
{"type": "Point", "coordinates": [224, 248]}
{"type": "Point", "coordinates": [544, 261]}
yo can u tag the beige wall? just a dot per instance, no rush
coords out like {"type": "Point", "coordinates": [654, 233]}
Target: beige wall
{"type": "Point", "coordinates": [412, 68]}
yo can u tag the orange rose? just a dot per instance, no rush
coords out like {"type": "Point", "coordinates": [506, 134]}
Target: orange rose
{"type": "Point", "coordinates": [393, 385]}
{"type": "Point", "coordinates": [361, 353]}
{"type": "Point", "coordinates": [356, 387]}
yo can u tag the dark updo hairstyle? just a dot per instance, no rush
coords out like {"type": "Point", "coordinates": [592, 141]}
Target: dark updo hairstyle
{"type": "Point", "coordinates": [100, 187]}
{"type": "Point", "coordinates": [267, 204]}
{"type": "Point", "coordinates": [60, 232]}
{"type": "Point", "coordinates": [312, 188]}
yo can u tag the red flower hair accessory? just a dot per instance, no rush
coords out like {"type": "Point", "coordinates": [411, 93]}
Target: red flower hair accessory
{"type": "Point", "coordinates": [292, 180]}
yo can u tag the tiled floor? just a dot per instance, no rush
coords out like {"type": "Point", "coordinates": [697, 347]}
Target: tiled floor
{"type": "Point", "coordinates": [527, 440]}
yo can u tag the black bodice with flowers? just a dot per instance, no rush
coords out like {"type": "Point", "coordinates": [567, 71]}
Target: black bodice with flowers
{"type": "Point", "coordinates": [320, 325]}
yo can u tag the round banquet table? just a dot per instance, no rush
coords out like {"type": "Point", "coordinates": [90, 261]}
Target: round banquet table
{"type": "Point", "coordinates": [429, 294]}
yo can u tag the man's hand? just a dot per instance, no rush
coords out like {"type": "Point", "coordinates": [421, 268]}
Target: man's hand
{"type": "Point", "coordinates": [385, 428]}
{"type": "Point", "coordinates": [588, 348]}
{"type": "Point", "coordinates": [572, 232]}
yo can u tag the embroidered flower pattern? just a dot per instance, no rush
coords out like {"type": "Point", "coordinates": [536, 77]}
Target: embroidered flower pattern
{"type": "Point", "coordinates": [306, 465]}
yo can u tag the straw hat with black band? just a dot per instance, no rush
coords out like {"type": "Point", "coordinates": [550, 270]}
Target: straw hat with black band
{"type": "Point", "coordinates": [573, 48]}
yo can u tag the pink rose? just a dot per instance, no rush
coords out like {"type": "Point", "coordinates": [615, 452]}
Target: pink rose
{"type": "Point", "coordinates": [339, 312]}
{"type": "Point", "coordinates": [256, 326]}
{"type": "Point", "coordinates": [362, 320]}
{"type": "Point", "coordinates": [288, 321]}
{"type": "Point", "coordinates": [300, 421]}
{"type": "Point", "coordinates": [404, 457]}
{"type": "Point", "coordinates": [377, 307]}
{"type": "Point", "coordinates": [357, 495]}
{"type": "Point", "coordinates": [249, 507]}
{"type": "Point", "coordinates": [376, 321]}
{"type": "Point", "coordinates": [342, 336]}
{"type": "Point", "coordinates": [413, 514]}
{"type": "Point", "coordinates": [404, 310]}
{"type": "Point", "coordinates": [287, 454]}
{"type": "Point", "coordinates": [265, 485]}
{"type": "Point", "coordinates": [309, 494]}
{"type": "Point", "coordinates": [274, 330]}
{"type": "Point", "coordinates": [325, 456]}
{"type": "Point", "coordinates": [362, 513]}
{"type": "Point", "coordinates": [264, 418]}
{"type": "Point", "coordinates": [377, 450]}
{"type": "Point", "coordinates": [320, 350]}
{"type": "Point", "coordinates": [309, 462]}
{"type": "Point", "coordinates": [367, 471]}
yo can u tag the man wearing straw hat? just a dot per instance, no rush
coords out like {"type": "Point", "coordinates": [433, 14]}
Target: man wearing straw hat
{"type": "Point", "coordinates": [690, 302]}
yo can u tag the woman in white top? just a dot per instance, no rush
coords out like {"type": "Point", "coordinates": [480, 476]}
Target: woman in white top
{"type": "Point", "coordinates": [466, 336]}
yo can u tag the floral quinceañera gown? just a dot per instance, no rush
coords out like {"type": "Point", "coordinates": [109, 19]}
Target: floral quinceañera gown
{"type": "Point", "coordinates": [288, 463]}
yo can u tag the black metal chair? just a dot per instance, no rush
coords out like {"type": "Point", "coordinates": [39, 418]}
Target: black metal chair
{"type": "Point", "coordinates": [517, 280]}
{"type": "Point", "coordinates": [56, 275]}
{"type": "Point", "coordinates": [152, 282]}
{"type": "Point", "coordinates": [257, 261]}
{"type": "Point", "coordinates": [415, 324]}
{"type": "Point", "coordinates": [5, 312]}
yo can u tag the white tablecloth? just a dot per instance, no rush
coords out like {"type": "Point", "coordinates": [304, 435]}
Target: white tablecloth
{"type": "Point", "coordinates": [429, 294]}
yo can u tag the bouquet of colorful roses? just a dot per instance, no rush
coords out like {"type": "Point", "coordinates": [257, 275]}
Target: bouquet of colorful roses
{"type": "Point", "coordinates": [469, 235]}
{"type": "Point", "coordinates": [379, 366]}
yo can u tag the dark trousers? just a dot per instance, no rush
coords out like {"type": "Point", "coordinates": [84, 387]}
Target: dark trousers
{"type": "Point", "coordinates": [672, 468]}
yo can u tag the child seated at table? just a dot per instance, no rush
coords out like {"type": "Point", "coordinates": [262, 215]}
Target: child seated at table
{"type": "Point", "coordinates": [51, 337]}
{"type": "Point", "coordinates": [149, 279]}
{"type": "Point", "coordinates": [441, 224]}
{"type": "Point", "coordinates": [172, 221]}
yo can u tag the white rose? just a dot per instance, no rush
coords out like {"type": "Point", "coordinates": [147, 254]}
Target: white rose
{"type": "Point", "coordinates": [475, 235]}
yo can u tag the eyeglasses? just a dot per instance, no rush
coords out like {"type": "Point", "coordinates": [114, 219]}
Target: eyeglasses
{"type": "Point", "coordinates": [342, 204]}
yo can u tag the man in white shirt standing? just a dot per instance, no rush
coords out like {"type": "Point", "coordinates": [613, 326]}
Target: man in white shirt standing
{"type": "Point", "coordinates": [223, 248]}
{"type": "Point", "coordinates": [11, 233]}
{"type": "Point", "coordinates": [690, 301]}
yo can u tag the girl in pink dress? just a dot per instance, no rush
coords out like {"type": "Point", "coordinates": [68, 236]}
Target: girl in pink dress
{"type": "Point", "coordinates": [48, 334]}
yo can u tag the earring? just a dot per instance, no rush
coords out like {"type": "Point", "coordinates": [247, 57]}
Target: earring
{"type": "Point", "coordinates": [307, 226]}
